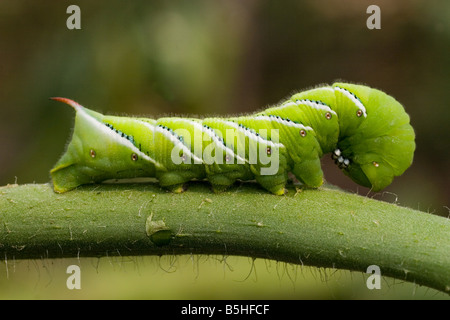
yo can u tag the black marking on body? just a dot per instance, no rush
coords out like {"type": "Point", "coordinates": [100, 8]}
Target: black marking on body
{"type": "Point", "coordinates": [286, 120]}
{"type": "Point", "coordinates": [219, 138]}
{"type": "Point", "coordinates": [313, 101]}
{"type": "Point", "coordinates": [354, 95]}
{"type": "Point", "coordinates": [123, 135]}
{"type": "Point", "coordinates": [178, 137]}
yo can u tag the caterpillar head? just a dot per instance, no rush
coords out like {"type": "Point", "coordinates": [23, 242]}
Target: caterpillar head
{"type": "Point", "coordinates": [376, 141]}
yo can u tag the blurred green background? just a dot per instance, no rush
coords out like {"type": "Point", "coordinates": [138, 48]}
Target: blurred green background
{"type": "Point", "coordinates": [225, 57]}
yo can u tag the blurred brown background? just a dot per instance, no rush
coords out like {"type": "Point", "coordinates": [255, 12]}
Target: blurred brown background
{"type": "Point", "coordinates": [223, 57]}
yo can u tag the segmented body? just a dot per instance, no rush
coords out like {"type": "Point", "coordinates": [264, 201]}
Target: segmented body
{"type": "Point", "coordinates": [266, 146]}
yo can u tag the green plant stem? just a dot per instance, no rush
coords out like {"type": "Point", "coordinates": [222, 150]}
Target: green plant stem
{"type": "Point", "coordinates": [324, 228]}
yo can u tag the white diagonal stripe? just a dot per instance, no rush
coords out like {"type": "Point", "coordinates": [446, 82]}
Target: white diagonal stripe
{"type": "Point", "coordinates": [219, 143]}
{"type": "Point", "coordinates": [252, 135]}
{"type": "Point", "coordinates": [315, 105]}
{"type": "Point", "coordinates": [211, 133]}
{"type": "Point", "coordinates": [353, 98]}
{"type": "Point", "coordinates": [112, 134]}
{"type": "Point", "coordinates": [174, 139]}
{"type": "Point", "coordinates": [284, 122]}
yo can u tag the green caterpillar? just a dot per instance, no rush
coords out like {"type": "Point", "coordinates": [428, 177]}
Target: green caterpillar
{"type": "Point", "coordinates": [366, 131]}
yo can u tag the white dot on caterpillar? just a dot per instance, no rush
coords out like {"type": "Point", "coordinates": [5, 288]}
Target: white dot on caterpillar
{"type": "Point", "coordinates": [302, 133]}
{"type": "Point", "coordinates": [376, 164]}
{"type": "Point", "coordinates": [328, 115]}
{"type": "Point", "coordinates": [134, 157]}
{"type": "Point", "coordinates": [336, 153]}
{"type": "Point", "coordinates": [92, 153]}
{"type": "Point", "coordinates": [359, 113]}
{"type": "Point", "coordinates": [268, 151]}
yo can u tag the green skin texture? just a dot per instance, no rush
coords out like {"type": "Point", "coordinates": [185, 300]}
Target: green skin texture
{"type": "Point", "coordinates": [379, 143]}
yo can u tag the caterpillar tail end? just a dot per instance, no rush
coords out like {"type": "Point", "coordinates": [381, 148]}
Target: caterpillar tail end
{"type": "Point", "coordinates": [66, 178]}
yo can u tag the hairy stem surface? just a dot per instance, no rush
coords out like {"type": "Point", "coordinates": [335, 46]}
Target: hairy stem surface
{"type": "Point", "coordinates": [325, 227]}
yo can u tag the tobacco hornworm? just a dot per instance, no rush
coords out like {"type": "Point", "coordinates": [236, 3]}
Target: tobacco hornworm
{"type": "Point", "coordinates": [366, 131]}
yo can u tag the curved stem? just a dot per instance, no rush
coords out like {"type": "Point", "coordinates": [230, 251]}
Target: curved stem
{"type": "Point", "coordinates": [324, 228]}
